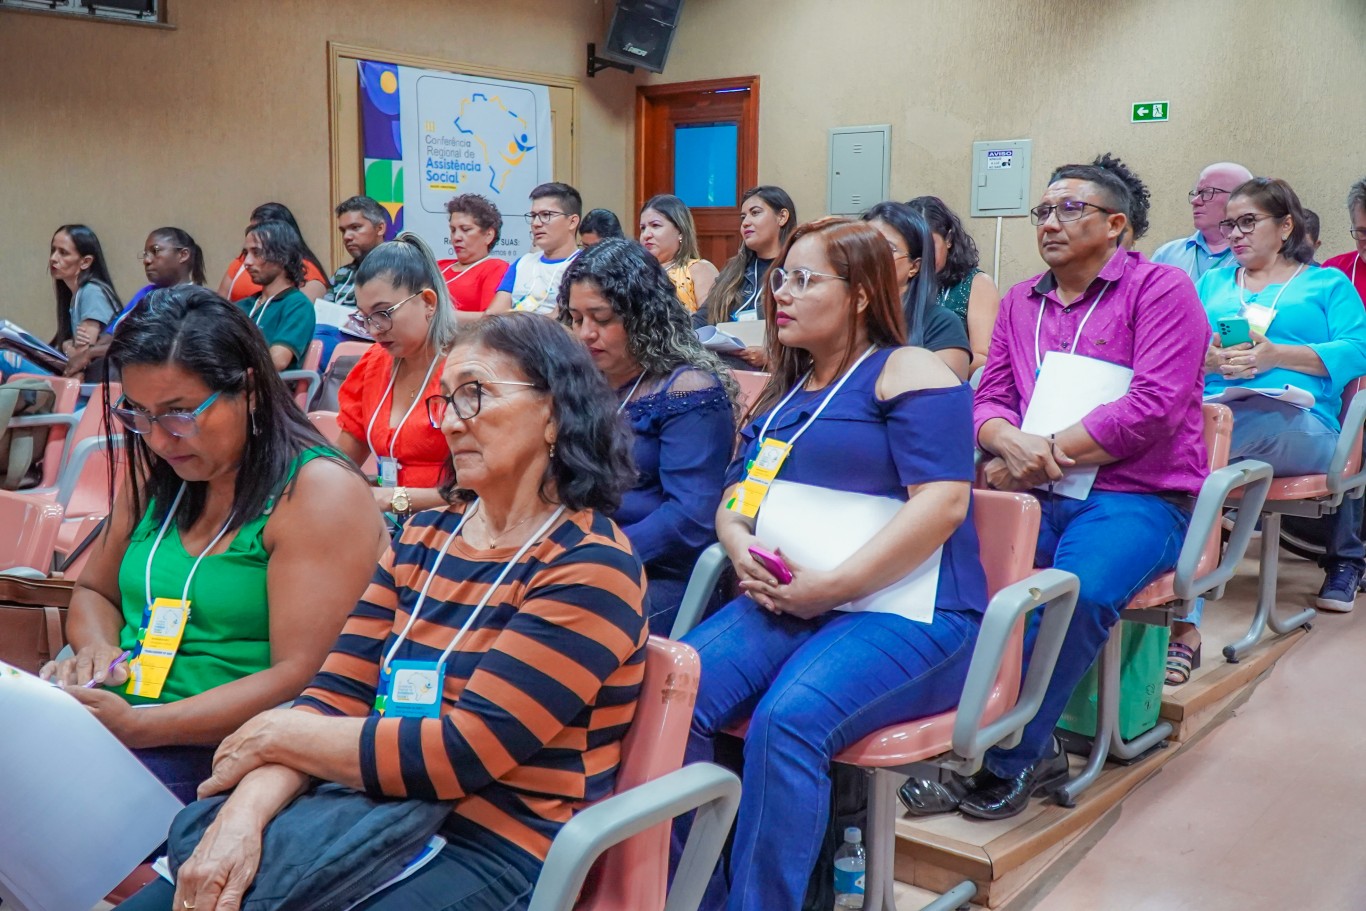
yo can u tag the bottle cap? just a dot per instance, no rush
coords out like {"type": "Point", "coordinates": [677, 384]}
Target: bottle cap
{"type": "Point", "coordinates": [852, 835]}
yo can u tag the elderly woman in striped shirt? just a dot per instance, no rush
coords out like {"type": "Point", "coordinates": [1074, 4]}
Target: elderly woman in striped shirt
{"type": "Point", "coordinates": [526, 708]}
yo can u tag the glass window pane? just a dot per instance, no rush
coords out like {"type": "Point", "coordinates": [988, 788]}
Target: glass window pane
{"type": "Point", "coordinates": [705, 163]}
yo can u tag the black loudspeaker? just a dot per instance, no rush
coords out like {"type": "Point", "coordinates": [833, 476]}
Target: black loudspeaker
{"type": "Point", "coordinates": [641, 33]}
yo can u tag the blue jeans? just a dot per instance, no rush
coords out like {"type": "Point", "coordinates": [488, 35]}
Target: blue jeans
{"type": "Point", "coordinates": [1115, 543]}
{"type": "Point", "coordinates": [180, 768]}
{"type": "Point", "coordinates": [811, 688]}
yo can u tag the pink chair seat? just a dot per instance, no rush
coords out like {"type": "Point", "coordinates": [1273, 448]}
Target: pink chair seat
{"type": "Point", "coordinates": [1306, 487]}
{"type": "Point", "coordinates": [1157, 593]}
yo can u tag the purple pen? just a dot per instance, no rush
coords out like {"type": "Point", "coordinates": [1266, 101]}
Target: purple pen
{"type": "Point", "coordinates": [113, 664]}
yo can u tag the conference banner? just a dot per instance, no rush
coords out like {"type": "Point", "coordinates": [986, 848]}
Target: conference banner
{"type": "Point", "coordinates": [428, 135]}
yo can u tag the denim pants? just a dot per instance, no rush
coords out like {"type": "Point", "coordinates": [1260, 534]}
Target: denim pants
{"type": "Point", "coordinates": [811, 688]}
{"type": "Point", "coordinates": [182, 769]}
{"type": "Point", "coordinates": [1115, 543]}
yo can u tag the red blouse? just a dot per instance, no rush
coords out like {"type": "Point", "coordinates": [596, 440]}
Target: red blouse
{"type": "Point", "coordinates": [421, 451]}
{"type": "Point", "coordinates": [473, 289]}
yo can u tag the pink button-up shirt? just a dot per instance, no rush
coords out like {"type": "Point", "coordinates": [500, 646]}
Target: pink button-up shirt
{"type": "Point", "coordinates": [1149, 320]}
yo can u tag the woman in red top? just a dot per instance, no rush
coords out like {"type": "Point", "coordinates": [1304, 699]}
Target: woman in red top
{"type": "Point", "coordinates": [472, 278]}
{"type": "Point", "coordinates": [401, 301]}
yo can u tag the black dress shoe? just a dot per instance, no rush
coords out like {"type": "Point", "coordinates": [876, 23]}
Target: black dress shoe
{"type": "Point", "coordinates": [925, 797]}
{"type": "Point", "coordinates": [1009, 796]}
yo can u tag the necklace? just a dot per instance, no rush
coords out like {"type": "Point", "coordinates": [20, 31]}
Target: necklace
{"type": "Point", "coordinates": [494, 538]}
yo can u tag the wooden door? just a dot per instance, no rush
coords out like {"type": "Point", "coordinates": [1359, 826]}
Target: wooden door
{"type": "Point", "coordinates": [699, 141]}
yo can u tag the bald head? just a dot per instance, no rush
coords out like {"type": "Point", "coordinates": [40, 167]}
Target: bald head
{"type": "Point", "coordinates": [1207, 209]}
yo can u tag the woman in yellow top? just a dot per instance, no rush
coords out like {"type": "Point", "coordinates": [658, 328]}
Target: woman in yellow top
{"type": "Point", "coordinates": [668, 232]}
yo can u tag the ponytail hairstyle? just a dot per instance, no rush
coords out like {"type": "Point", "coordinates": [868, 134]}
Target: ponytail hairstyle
{"type": "Point", "coordinates": [86, 244]}
{"type": "Point", "coordinates": [408, 264]}
{"type": "Point", "coordinates": [723, 297]}
{"type": "Point", "coordinates": [182, 240]}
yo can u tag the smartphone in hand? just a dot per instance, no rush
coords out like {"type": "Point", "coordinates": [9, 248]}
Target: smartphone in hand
{"type": "Point", "coordinates": [773, 563]}
{"type": "Point", "coordinates": [1234, 330]}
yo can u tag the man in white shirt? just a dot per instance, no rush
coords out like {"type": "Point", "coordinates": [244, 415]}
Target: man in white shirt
{"type": "Point", "coordinates": [1205, 249]}
{"type": "Point", "coordinates": [533, 281]}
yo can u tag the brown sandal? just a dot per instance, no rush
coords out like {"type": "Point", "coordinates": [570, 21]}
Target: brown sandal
{"type": "Point", "coordinates": [1181, 661]}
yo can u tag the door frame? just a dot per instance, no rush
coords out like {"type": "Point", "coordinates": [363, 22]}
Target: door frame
{"type": "Point", "coordinates": [747, 161]}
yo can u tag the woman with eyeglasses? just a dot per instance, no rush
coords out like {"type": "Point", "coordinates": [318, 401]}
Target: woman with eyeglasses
{"type": "Point", "coordinates": [812, 675]}
{"type": "Point", "coordinates": [1296, 334]}
{"type": "Point", "coordinates": [668, 232]}
{"type": "Point", "coordinates": [514, 617]}
{"type": "Point", "coordinates": [401, 301]}
{"type": "Point", "coordinates": [235, 549]}
{"type": "Point", "coordinates": [678, 399]}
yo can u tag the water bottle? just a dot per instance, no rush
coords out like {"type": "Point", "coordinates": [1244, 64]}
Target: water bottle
{"type": "Point", "coordinates": [850, 860]}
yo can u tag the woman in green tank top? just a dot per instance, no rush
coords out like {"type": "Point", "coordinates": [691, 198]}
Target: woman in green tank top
{"type": "Point", "coordinates": [234, 552]}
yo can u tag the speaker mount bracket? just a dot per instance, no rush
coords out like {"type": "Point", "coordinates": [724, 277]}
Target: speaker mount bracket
{"type": "Point", "coordinates": [597, 64]}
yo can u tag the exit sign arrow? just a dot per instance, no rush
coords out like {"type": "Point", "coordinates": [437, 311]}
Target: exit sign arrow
{"type": "Point", "coordinates": [1149, 112]}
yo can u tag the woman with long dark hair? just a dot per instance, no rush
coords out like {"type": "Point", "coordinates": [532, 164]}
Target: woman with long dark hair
{"type": "Point", "coordinates": [963, 287]}
{"type": "Point", "coordinates": [677, 398]}
{"type": "Point", "coordinates": [237, 282]}
{"type": "Point", "coordinates": [238, 528]}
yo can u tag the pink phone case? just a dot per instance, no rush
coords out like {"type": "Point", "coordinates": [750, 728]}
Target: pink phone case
{"type": "Point", "coordinates": [773, 563]}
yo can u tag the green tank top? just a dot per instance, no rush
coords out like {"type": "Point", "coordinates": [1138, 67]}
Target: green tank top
{"type": "Point", "coordinates": [228, 633]}
{"type": "Point", "coordinates": [955, 297]}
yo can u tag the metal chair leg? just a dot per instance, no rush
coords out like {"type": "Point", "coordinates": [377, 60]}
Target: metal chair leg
{"type": "Point", "coordinates": [1107, 711]}
{"type": "Point", "coordinates": [956, 898]}
{"type": "Point", "coordinates": [1265, 614]}
{"type": "Point", "coordinates": [880, 839]}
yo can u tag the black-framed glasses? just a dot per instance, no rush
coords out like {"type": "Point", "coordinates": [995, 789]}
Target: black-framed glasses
{"type": "Point", "coordinates": [542, 217]}
{"type": "Point", "coordinates": [1357, 233]}
{"type": "Point", "coordinates": [380, 320]}
{"type": "Point", "coordinates": [1067, 210]}
{"type": "Point", "coordinates": [465, 400]}
{"type": "Point", "coordinates": [799, 279]}
{"type": "Point", "coordinates": [1205, 194]}
{"type": "Point", "coordinates": [177, 423]}
{"type": "Point", "coordinates": [1245, 224]}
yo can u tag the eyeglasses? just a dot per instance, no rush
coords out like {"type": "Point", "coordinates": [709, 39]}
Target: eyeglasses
{"type": "Point", "coordinates": [542, 217]}
{"type": "Point", "coordinates": [154, 251]}
{"type": "Point", "coordinates": [800, 279]}
{"type": "Point", "coordinates": [465, 401]}
{"type": "Point", "coordinates": [1245, 224]}
{"type": "Point", "coordinates": [380, 320]}
{"type": "Point", "coordinates": [1205, 194]}
{"type": "Point", "coordinates": [896, 251]}
{"type": "Point", "coordinates": [177, 423]}
{"type": "Point", "coordinates": [1067, 210]}
{"type": "Point", "coordinates": [1357, 233]}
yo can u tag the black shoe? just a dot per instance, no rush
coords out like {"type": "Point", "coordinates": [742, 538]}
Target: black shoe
{"type": "Point", "coordinates": [1341, 583]}
{"type": "Point", "coordinates": [924, 797]}
{"type": "Point", "coordinates": [1009, 796]}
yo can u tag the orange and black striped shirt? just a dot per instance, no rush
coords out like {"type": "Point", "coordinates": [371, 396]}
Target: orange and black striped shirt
{"type": "Point", "coordinates": [539, 693]}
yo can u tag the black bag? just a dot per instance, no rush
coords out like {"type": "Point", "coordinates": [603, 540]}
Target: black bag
{"type": "Point", "coordinates": [326, 851]}
{"type": "Point", "coordinates": [848, 807]}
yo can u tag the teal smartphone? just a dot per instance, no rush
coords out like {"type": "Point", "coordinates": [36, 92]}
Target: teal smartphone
{"type": "Point", "coordinates": [1233, 330]}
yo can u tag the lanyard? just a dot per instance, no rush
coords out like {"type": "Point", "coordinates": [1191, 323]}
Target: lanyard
{"type": "Point", "coordinates": [763, 432]}
{"type": "Point", "coordinates": [263, 304]}
{"type": "Point", "coordinates": [622, 406]}
{"type": "Point", "coordinates": [1275, 301]}
{"type": "Point", "coordinates": [369, 428]}
{"type": "Point", "coordinates": [488, 593]}
{"type": "Point", "coordinates": [1356, 259]}
{"type": "Point", "coordinates": [170, 514]}
{"type": "Point", "coordinates": [752, 302]}
{"type": "Point", "coordinates": [454, 275]}
{"type": "Point", "coordinates": [339, 291]}
{"type": "Point", "coordinates": [1038, 327]}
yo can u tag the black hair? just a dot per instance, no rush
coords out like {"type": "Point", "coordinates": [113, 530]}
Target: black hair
{"type": "Point", "coordinates": [199, 332]}
{"type": "Point", "coordinates": [570, 199]}
{"type": "Point", "coordinates": [1114, 191]}
{"type": "Point", "coordinates": [602, 222]}
{"type": "Point", "coordinates": [484, 213]}
{"type": "Point", "coordinates": [591, 467]}
{"type": "Point", "coordinates": [725, 291]}
{"type": "Point", "coordinates": [408, 264]}
{"type": "Point", "coordinates": [370, 210]}
{"type": "Point", "coordinates": [86, 244]}
{"type": "Point", "coordinates": [962, 256]}
{"type": "Point", "coordinates": [1139, 194]}
{"type": "Point", "coordinates": [275, 211]}
{"type": "Point", "coordinates": [921, 291]}
{"type": "Point", "coordinates": [182, 240]}
{"type": "Point", "coordinates": [1311, 226]}
{"type": "Point", "coordinates": [1278, 199]}
{"type": "Point", "coordinates": [281, 244]}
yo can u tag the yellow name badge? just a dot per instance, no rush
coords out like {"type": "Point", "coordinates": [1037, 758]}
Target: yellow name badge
{"type": "Point", "coordinates": [157, 647]}
{"type": "Point", "coordinates": [762, 471]}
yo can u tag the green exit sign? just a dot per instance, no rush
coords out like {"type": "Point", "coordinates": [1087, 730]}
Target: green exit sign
{"type": "Point", "coordinates": [1149, 112]}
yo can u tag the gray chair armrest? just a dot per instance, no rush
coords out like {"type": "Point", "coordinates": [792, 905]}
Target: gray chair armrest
{"type": "Point", "coordinates": [310, 377]}
{"type": "Point", "coordinates": [1347, 438]}
{"type": "Point", "coordinates": [71, 471]}
{"type": "Point", "coordinates": [1053, 588]}
{"type": "Point", "coordinates": [45, 420]}
{"type": "Point", "coordinates": [1253, 478]}
{"type": "Point", "coordinates": [709, 789]}
{"type": "Point", "coordinates": [705, 576]}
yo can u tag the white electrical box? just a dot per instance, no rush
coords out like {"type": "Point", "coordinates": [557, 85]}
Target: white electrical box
{"type": "Point", "coordinates": [1000, 177]}
{"type": "Point", "coordinates": [860, 168]}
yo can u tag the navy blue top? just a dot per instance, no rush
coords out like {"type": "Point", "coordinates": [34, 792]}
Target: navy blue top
{"type": "Point", "coordinates": [684, 436]}
{"type": "Point", "coordinates": [863, 445]}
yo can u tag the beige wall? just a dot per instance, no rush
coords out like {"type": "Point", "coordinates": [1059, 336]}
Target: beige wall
{"type": "Point", "coordinates": [1271, 83]}
{"type": "Point", "coordinates": [128, 128]}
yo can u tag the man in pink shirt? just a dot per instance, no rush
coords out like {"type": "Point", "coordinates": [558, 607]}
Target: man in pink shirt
{"type": "Point", "coordinates": [1104, 304]}
{"type": "Point", "coordinates": [1354, 261]}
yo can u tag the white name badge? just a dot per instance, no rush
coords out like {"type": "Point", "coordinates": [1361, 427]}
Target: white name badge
{"type": "Point", "coordinates": [1258, 316]}
{"type": "Point", "coordinates": [388, 472]}
{"type": "Point", "coordinates": [415, 689]}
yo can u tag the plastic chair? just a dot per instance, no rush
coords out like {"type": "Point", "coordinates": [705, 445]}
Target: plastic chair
{"type": "Point", "coordinates": [31, 532]}
{"type": "Point", "coordinates": [306, 379]}
{"type": "Point", "coordinates": [1199, 571]}
{"type": "Point", "coordinates": [994, 707]}
{"type": "Point", "coordinates": [752, 383]}
{"type": "Point", "coordinates": [326, 423]}
{"type": "Point", "coordinates": [351, 349]}
{"type": "Point", "coordinates": [1315, 496]}
{"type": "Point", "coordinates": [59, 422]}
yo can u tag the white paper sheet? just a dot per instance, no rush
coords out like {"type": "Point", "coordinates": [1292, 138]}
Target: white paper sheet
{"type": "Point", "coordinates": [1290, 395]}
{"type": "Point", "coordinates": [714, 339]}
{"type": "Point", "coordinates": [1070, 387]}
{"type": "Point", "coordinates": [821, 528]}
{"type": "Point", "coordinates": [79, 812]}
{"type": "Point", "coordinates": [749, 331]}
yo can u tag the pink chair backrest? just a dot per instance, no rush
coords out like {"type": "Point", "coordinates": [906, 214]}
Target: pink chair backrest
{"type": "Point", "coordinates": [351, 349]}
{"type": "Point", "coordinates": [68, 394]}
{"type": "Point", "coordinates": [326, 422]}
{"type": "Point", "coordinates": [632, 876]}
{"type": "Point", "coordinates": [1354, 458]}
{"type": "Point", "coordinates": [91, 496]}
{"type": "Point", "coordinates": [31, 531]}
{"type": "Point", "coordinates": [313, 356]}
{"type": "Point", "coordinates": [752, 383]}
{"type": "Point", "coordinates": [1218, 437]}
